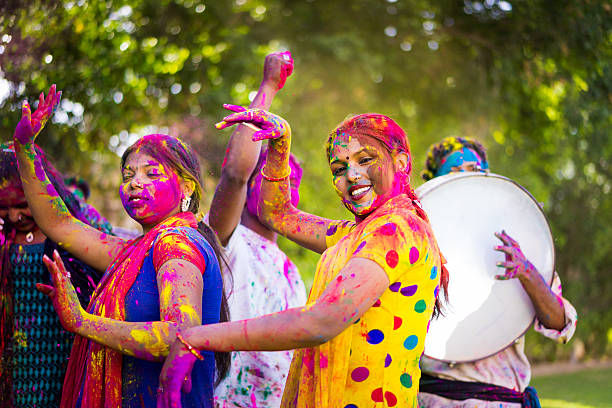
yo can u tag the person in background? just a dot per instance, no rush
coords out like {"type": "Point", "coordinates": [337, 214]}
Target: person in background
{"type": "Point", "coordinates": [500, 380]}
{"type": "Point", "coordinates": [153, 287]}
{"type": "Point", "coordinates": [79, 187]}
{"type": "Point", "coordinates": [34, 348]}
{"type": "Point", "coordinates": [264, 280]}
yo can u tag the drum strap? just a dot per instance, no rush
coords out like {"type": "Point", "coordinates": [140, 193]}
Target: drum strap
{"type": "Point", "coordinates": [462, 390]}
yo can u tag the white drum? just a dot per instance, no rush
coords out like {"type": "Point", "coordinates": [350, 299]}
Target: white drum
{"type": "Point", "coordinates": [484, 315]}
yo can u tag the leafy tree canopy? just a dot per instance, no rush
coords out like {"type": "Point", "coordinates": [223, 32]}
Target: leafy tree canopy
{"type": "Point", "coordinates": [531, 79]}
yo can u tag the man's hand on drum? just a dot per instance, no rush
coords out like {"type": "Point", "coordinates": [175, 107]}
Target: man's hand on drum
{"type": "Point", "coordinates": [516, 264]}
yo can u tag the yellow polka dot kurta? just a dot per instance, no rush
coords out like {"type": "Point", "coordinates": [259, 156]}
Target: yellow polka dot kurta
{"type": "Point", "coordinates": [375, 361]}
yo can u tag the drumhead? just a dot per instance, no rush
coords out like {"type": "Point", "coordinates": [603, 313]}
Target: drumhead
{"type": "Point", "coordinates": [484, 315]}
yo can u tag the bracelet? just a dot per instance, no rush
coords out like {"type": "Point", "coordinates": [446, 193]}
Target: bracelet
{"type": "Point", "coordinates": [191, 349]}
{"type": "Point", "coordinates": [274, 179]}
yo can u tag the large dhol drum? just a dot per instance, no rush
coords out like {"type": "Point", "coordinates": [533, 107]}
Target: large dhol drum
{"type": "Point", "coordinates": [484, 315]}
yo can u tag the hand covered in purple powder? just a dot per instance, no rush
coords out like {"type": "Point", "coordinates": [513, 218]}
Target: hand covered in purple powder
{"type": "Point", "coordinates": [175, 376]}
{"type": "Point", "coordinates": [516, 263]}
{"type": "Point", "coordinates": [277, 68]}
{"type": "Point", "coordinates": [270, 125]}
{"type": "Point", "coordinates": [31, 124]}
{"type": "Point", "coordinates": [62, 294]}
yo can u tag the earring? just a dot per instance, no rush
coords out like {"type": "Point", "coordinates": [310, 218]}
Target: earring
{"type": "Point", "coordinates": [185, 203]}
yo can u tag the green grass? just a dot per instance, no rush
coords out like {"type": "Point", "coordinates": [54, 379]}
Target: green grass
{"type": "Point", "coordinates": [583, 389]}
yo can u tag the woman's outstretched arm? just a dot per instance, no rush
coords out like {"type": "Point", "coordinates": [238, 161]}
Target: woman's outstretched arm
{"type": "Point", "coordinates": [356, 288]}
{"type": "Point", "coordinates": [180, 292]}
{"type": "Point", "coordinates": [49, 211]}
{"type": "Point", "coordinates": [275, 208]}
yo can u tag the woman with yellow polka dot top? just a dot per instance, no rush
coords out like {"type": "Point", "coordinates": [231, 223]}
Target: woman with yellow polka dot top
{"type": "Point", "coordinates": [362, 332]}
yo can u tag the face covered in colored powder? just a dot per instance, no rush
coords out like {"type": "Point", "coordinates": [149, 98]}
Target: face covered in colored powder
{"type": "Point", "coordinates": [461, 160]}
{"type": "Point", "coordinates": [14, 208]}
{"type": "Point", "coordinates": [364, 173]}
{"type": "Point", "coordinates": [254, 187]}
{"type": "Point", "coordinates": [150, 192]}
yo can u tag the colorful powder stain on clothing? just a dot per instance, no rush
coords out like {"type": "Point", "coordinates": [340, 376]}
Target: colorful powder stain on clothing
{"type": "Point", "coordinates": [264, 281]}
{"type": "Point", "coordinates": [367, 364]}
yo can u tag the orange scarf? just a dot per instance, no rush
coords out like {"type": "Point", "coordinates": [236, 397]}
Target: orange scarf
{"type": "Point", "coordinates": [99, 365]}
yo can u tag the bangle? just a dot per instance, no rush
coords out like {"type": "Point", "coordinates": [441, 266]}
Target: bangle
{"type": "Point", "coordinates": [191, 349]}
{"type": "Point", "coordinates": [274, 179]}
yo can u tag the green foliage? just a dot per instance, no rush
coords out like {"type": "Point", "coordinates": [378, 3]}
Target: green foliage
{"type": "Point", "coordinates": [531, 79]}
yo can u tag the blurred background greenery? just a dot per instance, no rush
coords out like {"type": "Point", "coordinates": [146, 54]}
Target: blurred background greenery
{"type": "Point", "coordinates": [531, 79]}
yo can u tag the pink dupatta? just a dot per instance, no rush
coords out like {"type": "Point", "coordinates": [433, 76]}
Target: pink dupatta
{"type": "Point", "coordinates": [96, 367]}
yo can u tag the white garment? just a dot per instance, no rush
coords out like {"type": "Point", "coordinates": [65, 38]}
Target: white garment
{"type": "Point", "coordinates": [509, 368]}
{"type": "Point", "coordinates": [264, 281]}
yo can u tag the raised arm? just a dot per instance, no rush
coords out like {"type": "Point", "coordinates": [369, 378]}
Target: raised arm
{"type": "Point", "coordinates": [242, 152]}
{"type": "Point", "coordinates": [49, 211]}
{"type": "Point", "coordinates": [275, 208]}
{"type": "Point", "coordinates": [180, 287]}
{"type": "Point", "coordinates": [548, 307]}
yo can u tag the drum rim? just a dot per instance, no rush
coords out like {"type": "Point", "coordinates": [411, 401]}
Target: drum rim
{"type": "Point", "coordinates": [453, 176]}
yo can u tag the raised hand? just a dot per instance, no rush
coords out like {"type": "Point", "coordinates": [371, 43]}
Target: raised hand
{"type": "Point", "coordinates": [31, 124]}
{"type": "Point", "coordinates": [271, 126]}
{"type": "Point", "coordinates": [516, 263]}
{"type": "Point", "coordinates": [277, 68]}
{"type": "Point", "coordinates": [62, 294]}
{"type": "Point", "coordinates": [175, 376]}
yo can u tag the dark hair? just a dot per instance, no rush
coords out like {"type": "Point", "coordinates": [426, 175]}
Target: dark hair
{"type": "Point", "coordinates": [385, 130]}
{"type": "Point", "coordinates": [182, 159]}
{"type": "Point", "coordinates": [440, 150]}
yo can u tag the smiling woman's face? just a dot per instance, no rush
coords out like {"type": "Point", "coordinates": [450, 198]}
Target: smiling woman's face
{"type": "Point", "coordinates": [150, 192]}
{"type": "Point", "coordinates": [363, 173]}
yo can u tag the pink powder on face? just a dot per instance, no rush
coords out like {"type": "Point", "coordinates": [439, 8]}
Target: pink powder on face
{"type": "Point", "coordinates": [160, 194]}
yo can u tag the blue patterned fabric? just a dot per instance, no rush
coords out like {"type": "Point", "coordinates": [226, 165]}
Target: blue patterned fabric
{"type": "Point", "coordinates": [141, 377]}
{"type": "Point", "coordinates": [40, 345]}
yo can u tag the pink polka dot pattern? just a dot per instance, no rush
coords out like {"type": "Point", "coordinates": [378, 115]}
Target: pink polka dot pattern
{"type": "Point", "coordinates": [391, 399]}
{"type": "Point", "coordinates": [414, 255]}
{"type": "Point", "coordinates": [392, 258]}
{"type": "Point", "coordinates": [360, 374]}
{"type": "Point", "coordinates": [388, 229]}
{"type": "Point", "coordinates": [377, 395]}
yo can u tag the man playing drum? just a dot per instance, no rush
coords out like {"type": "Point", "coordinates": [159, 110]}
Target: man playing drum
{"type": "Point", "coordinates": [500, 380]}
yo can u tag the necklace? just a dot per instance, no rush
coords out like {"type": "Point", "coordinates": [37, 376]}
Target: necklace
{"type": "Point", "coordinates": [29, 236]}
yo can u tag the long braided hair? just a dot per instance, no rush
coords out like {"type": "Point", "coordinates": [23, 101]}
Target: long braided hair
{"type": "Point", "coordinates": [183, 160]}
{"type": "Point", "coordinates": [394, 139]}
